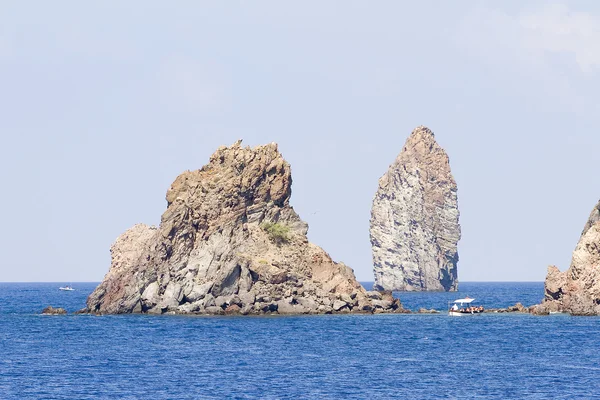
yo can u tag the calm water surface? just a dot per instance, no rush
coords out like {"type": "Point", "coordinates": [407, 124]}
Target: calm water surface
{"type": "Point", "coordinates": [306, 357]}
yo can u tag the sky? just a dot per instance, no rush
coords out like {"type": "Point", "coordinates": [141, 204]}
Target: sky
{"type": "Point", "coordinates": [105, 103]}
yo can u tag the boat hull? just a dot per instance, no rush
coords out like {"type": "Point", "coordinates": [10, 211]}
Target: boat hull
{"type": "Point", "coordinates": [462, 314]}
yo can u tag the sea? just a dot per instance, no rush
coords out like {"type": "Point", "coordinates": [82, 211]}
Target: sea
{"type": "Point", "coordinates": [419, 356]}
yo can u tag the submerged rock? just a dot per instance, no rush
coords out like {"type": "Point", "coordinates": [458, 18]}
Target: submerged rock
{"type": "Point", "coordinates": [230, 243]}
{"type": "Point", "coordinates": [426, 311]}
{"type": "Point", "coordinates": [577, 290]}
{"type": "Point", "coordinates": [414, 220]}
{"type": "Point", "coordinates": [53, 311]}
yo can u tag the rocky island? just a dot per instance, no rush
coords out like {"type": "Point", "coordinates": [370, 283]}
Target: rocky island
{"type": "Point", "coordinates": [230, 243]}
{"type": "Point", "coordinates": [415, 220]}
{"type": "Point", "coordinates": [577, 290]}
{"type": "Point", "coordinates": [53, 311]}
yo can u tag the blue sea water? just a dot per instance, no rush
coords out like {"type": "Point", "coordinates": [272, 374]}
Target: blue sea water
{"type": "Point", "coordinates": [296, 357]}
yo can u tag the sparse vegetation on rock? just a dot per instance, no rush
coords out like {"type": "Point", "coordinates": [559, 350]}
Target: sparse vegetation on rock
{"type": "Point", "coordinates": [219, 250]}
{"type": "Point", "coordinates": [278, 233]}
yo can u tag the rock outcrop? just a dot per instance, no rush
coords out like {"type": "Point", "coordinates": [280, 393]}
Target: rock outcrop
{"type": "Point", "coordinates": [230, 243]}
{"type": "Point", "coordinates": [414, 220]}
{"type": "Point", "coordinates": [54, 311]}
{"type": "Point", "coordinates": [577, 290]}
{"type": "Point", "coordinates": [517, 308]}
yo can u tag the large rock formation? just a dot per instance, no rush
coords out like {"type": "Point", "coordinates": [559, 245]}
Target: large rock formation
{"type": "Point", "coordinates": [577, 290]}
{"type": "Point", "coordinates": [414, 220]}
{"type": "Point", "coordinates": [229, 243]}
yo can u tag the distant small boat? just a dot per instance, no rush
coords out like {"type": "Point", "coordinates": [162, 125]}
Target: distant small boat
{"type": "Point", "coordinates": [67, 288]}
{"type": "Point", "coordinates": [559, 313]}
{"type": "Point", "coordinates": [463, 307]}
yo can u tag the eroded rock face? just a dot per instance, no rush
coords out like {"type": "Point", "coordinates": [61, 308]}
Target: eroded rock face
{"type": "Point", "coordinates": [230, 243]}
{"type": "Point", "coordinates": [414, 220]}
{"type": "Point", "coordinates": [577, 290]}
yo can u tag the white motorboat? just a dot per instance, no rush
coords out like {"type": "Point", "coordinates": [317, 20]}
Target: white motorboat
{"type": "Point", "coordinates": [67, 288]}
{"type": "Point", "coordinates": [462, 307]}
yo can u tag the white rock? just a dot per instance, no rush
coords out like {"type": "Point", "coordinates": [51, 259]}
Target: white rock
{"type": "Point", "coordinates": [339, 304]}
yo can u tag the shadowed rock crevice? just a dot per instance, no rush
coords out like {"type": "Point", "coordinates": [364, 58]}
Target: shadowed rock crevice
{"type": "Point", "coordinates": [212, 253]}
{"type": "Point", "coordinates": [415, 220]}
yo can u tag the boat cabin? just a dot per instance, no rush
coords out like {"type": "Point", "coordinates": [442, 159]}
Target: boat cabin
{"type": "Point", "coordinates": [464, 306]}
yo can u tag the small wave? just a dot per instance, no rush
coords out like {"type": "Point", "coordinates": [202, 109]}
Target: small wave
{"type": "Point", "coordinates": [585, 367]}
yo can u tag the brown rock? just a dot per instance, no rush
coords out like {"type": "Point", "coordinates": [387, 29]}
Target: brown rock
{"type": "Point", "coordinates": [53, 311]}
{"type": "Point", "coordinates": [555, 282]}
{"type": "Point", "coordinates": [577, 291]}
{"type": "Point", "coordinates": [228, 237]}
{"type": "Point", "coordinates": [415, 220]}
{"type": "Point", "coordinates": [517, 308]}
{"type": "Point", "coordinates": [233, 309]}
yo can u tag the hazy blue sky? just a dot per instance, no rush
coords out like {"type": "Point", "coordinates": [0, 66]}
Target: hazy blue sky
{"type": "Point", "coordinates": [104, 104]}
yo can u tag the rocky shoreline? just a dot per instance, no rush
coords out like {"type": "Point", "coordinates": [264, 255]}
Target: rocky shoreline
{"type": "Point", "coordinates": [577, 290]}
{"type": "Point", "coordinates": [383, 303]}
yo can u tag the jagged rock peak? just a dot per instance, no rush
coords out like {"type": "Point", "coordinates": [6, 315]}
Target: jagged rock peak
{"type": "Point", "coordinates": [229, 242]}
{"type": "Point", "coordinates": [422, 148]}
{"type": "Point", "coordinates": [577, 290]}
{"type": "Point", "coordinates": [415, 219]}
{"type": "Point", "coordinates": [421, 133]}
